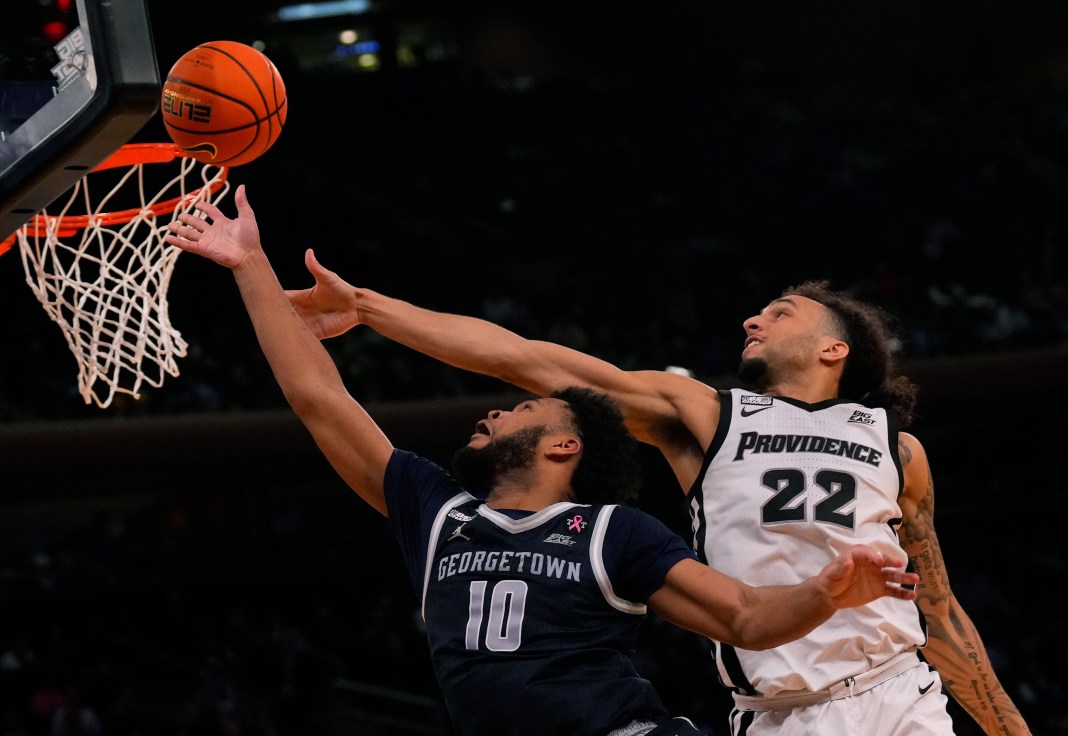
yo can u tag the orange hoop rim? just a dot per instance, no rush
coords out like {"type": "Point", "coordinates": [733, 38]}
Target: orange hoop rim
{"type": "Point", "coordinates": [130, 154]}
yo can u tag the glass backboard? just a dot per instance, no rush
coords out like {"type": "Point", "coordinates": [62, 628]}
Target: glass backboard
{"type": "Point", "coordinates": [78, 79]}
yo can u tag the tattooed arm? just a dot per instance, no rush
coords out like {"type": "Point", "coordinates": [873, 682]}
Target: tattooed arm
{"type": "Point", "coordinates": [953, 646]}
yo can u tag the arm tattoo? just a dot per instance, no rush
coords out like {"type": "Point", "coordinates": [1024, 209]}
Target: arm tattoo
{"type": "Point", "coordinates": [920, 543]}
{"type": "Point", "coordinates": [905, 453]}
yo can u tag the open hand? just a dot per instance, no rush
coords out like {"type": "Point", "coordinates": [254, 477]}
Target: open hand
{"type": "Point", "coordinates": [329, 307]}
{"type": "Point", "coordinates": [223, 240]}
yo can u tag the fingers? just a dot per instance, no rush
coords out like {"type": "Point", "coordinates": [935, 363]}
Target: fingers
{"type": "Point", "coordinates": [182, 230]}
{"type": "Point", "coordinates": [187, 222]}
{"type": "Point", "coordinates": [198, 217]}
{"type": "Point", "coordinates": [902, 578]}
{"type": "Point", "coordinates": [889, 561]}
{"type": "Point", "coordinates": [209, 209]}
{"type": "Point", "coordinates": [314, 266]}
{"type": "Point", "coordinates": [188, 226]}
{"type": "Point", "coordinates": [241, 200]}
{"type": "Point", "coordinates": [878, 558]}
{"type": "Point", "coordinates": [182, 237]}
{"type": "Point", "coordinates": [896, 579]}
{"type": "Point", "coordinates": [905, 594]}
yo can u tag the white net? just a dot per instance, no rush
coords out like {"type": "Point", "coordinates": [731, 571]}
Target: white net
{"type": "Point", "coordinates": [103, 276]}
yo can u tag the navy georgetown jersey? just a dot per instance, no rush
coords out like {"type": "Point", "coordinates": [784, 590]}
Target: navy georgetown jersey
{"type": "Point", "coordinates": [785, 487]}
{"type": "Point", "coordinates": [531, 618]}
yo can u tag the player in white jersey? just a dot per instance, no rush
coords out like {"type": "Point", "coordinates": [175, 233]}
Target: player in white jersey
{"type": "Point", "coordinates": [827, 465]}
{"type": "Point", "coordinates": [815, 478]}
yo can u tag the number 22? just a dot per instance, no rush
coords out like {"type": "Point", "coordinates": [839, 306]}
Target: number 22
{"type": "Point", "coordinates": [789, 483]}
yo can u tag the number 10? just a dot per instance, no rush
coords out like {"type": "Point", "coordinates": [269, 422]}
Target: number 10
{"type": "Point", "coordinates": [504, 630]}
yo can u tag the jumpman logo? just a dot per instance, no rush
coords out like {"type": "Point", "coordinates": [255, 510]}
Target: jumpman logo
{"type": "Point", "coordinates": [458, 533]}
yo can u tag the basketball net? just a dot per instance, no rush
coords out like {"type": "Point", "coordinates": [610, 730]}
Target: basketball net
{"type": "Point", "coordinates": [102, 276]}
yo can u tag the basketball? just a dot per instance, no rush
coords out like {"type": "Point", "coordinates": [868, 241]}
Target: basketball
{"type": "Point", "coordinates": [224, 103]}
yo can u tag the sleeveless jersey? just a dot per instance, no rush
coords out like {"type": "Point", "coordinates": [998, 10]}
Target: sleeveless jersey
{"type": "Point", "coordinates": [529, 632]}
{"type": "Point", "coordinates": [784, 488]}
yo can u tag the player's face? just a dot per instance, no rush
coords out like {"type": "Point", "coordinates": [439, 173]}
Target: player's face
{"type": "Point", "coordinates": [500, 423]}
{"type": "Point", "coordinates": [506, 441]}
{"type": "Point", "coordinates": [783, 339]}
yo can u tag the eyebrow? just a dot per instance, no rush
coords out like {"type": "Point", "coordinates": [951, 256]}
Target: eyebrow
{"type": "Point", "coordinates": [782, 300]}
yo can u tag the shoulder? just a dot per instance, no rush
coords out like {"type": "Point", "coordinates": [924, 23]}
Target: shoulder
{"type": "Point", "coordinates": [918, 486]}
{"type": "Point", "coordinates": [674, 386]}
{"type": "Point", "coordinates": [683, 411]}
{"type": "Point", "coordinates": [626, 525]}
{"type": "Point", "coordinates": [411, 478]}
{"type": "Point", "coordinates": [911, 450]}
{"type": "Point", "coordinates": [639, 550]}
{"type": "Point", "coordinates": [409, 467]}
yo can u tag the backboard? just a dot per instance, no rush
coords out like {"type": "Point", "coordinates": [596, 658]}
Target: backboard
{"type": "Point", "coordinates": [78, 79]}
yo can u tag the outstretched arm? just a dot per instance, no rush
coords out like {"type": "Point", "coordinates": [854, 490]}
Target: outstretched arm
{"type": "Point", "coordinates": [701, 599]}
{"type": "Point", "coordinates": [672, 412]}
{"type": "Point", "coordinates": [333, 306]}
{"type": "Point", "coordinates": [350, 439]}
{"type": "Point", "coordinates": [953, 645]}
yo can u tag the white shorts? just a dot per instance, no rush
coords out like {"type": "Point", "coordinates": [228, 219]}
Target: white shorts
{"type": "Point", "coordinates": [909, 704]}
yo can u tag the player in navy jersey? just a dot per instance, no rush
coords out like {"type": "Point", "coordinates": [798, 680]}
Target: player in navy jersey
{"type": "Point", "coordinates": [779, 478]}
{"type": "Point", "coordinates": [533, 579]}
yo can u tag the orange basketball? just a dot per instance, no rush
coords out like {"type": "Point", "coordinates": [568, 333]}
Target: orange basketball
{"type": "Point", "coordinates": [224, 103]}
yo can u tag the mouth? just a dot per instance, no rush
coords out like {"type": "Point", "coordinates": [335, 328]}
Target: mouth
{"type": "Point", "coordinates": [482, 428]}
{"type": "Point", "coordinates": [751, 340]}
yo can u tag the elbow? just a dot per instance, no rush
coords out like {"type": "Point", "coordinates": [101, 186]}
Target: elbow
{"type": "Point", "coordinates": [508, 360]}
{"type": "Point", "coordinates": [761, 644]}
{"type": "Point", "coordinates": [758, 626]}
{"type": "Point", "coordinates": [301, 402]}
{"type": "Point", "coordinates": [753, 641]}
{"type": "Point", "coordinates": [515, 372]}
{"type": "Point", "coordinates": [306, 398]}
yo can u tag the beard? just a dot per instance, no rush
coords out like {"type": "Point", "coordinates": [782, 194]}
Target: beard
{"type": "Point", "coordinates": [753, 373]}
{"type": "Point", "coordinates": [479, 468]}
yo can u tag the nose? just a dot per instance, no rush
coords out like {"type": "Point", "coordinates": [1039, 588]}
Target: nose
{"type": "Point", "coordinates": [752, 324]}
{"type": "Point", "coordinates": [495, 413]}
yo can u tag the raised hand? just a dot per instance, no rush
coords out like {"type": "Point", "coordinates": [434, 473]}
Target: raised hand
{"type": "Point", "coordinates": [861, 574]}
{"type": "Point", "coordinates": [223, 240]}
{"type": "Point", "coordinates": [329, 307]}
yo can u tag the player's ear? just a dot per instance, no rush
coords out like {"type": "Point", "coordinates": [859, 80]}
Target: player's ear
{"type": "Point", "coordinates": [564, 447]}
{"type": "Point", "coordinates": [834, 351]}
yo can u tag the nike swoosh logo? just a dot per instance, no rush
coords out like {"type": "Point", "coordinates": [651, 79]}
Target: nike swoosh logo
{"type": "Point", "coordinates": [203, 148]}
{"type": "Point", "coordinates": [751, 412]}
{"type": "Point", "coordinates": [923, 690]}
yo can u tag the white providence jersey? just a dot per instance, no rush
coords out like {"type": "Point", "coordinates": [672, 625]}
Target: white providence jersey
{"type": "Point", "coordinates": [785, 487]}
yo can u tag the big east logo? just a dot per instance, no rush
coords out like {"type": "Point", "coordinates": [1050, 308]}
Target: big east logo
{"type": "Point", "coordinates": [174, 105]}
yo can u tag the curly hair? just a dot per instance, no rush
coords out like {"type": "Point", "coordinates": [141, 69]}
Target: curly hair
{"type": "Point", "coordinates": [608, 471]}
{"type": "Point", "coordinates": [870, 375]}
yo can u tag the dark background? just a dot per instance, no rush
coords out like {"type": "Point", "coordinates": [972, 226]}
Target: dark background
{"type": "Point", "coordinates": [633, 180]}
